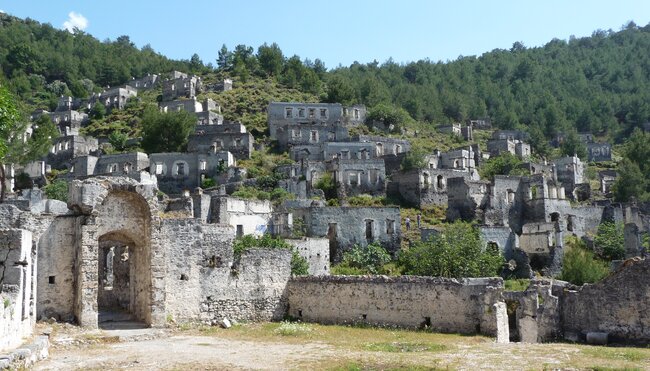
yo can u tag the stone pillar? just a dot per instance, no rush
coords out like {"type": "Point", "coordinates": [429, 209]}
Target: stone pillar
{"type": "Point", "coordinates": [87, 278]}
{"type": "Point", "coordinates": [503, 329]}
{"type": "Point", "coordinates": [632, 240]}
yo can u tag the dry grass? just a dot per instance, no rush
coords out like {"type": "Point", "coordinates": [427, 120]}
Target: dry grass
{"type": "Point", "coordinates": [396, 349]}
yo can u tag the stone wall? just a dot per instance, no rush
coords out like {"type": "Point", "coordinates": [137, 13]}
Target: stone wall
{"type": "Point", "coordinates": [17, 293]}
{"type": "Point", "coordinates": [55, 279]}
{"type": "Point", "coordinates": [205, 282]}
{"type": "Point", "coordinates": [617, 305]}
{"type": "Point", "coordinates": [442, 305]}
{"type": "Point", "coordinates": [317, 253]}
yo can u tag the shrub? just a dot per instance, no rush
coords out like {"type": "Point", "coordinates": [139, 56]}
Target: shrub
{"type": "Point", "coordinates": [414, 159]}
{"type": "Point", "coordinates": [57, 190]}
{"type": "Point", "coordinates": [327, 184]}
{"type": "Point", "coordinates": [299, 265]}
{"type": "Point", "coordinates": [503, 164]}
{"type": "Point", "coordinates": [366, 200]}
{"type": "Point", "coordinates": [456, 252]}
{"type": "Point", "coordinates": [208, 183]}
{"type": "Point", "coordinates": [610, 241]}
{"type": "Point", "coordinates": [580, 265]}
{"type": "Point", "coordinates": [368, 259]}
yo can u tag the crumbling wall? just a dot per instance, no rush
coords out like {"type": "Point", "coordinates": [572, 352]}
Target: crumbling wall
{"type": "Point", "coordinates": [206, 282]}
{"type": "Point", "coordinates": [617, 305]}
{"type": "Point", "coordinates": [17, 271]}
{"type": "Point", "coordinates": [55, 279]}
{"type": "Point", "coordinates": [442, 305]}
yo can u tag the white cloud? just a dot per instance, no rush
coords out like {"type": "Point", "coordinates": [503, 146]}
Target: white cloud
{"type": "Point", "coordinates": [75, 20]}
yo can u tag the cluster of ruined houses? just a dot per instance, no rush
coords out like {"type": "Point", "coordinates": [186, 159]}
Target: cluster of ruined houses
{"type": "Point", "coordinates": [118, 245]}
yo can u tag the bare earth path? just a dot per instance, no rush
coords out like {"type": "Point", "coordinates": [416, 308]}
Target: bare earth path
{"type": "Point", "coordinates": [263, 347]}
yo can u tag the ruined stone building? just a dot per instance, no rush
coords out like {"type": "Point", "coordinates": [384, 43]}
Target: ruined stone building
{"type": "Point", "coordinates": [148, 82]}
{"type": "Point", "coordinates": [207, 112]}
{"type": "Point", "coordinates": [67, 147]}
{"type": "Point", "coordinates": [181, 85]}
{"type": "Point", "coordinates": [509, 141]}
{"type": "Point", "coordinates": [281, 114]}
{"type": "Point", "coordinates": [177, 172]}
{"type": "Point", "coordinates": [458, 129]}
{"type": "Point", "coordinates": [114, 98]}
{"type": "Point", "coordinates": [229, 136]}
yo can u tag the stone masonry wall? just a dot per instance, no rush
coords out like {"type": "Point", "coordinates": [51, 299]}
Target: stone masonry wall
{"type": "Point", "coordinates": [205, 282]}
{"type": "Point", "coordinates": [17, 271]}
{"type": "Point", "coordinates": [443, 305]}
{"type": "Point", "coordinates": [618, 305]}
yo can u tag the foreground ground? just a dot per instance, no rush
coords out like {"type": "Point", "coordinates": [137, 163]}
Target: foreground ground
{"type": "Point", "coordinates": [279, 346]}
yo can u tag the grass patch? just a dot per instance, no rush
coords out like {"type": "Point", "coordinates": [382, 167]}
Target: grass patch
{"type": "Point", "coordinates": [371, 366]}
{"type": "Point", "coordinates": [520, 284]}
{"type": "Point", "coordinates": [618, 354]}
{"type": "Point", "coordinates": [404, 347]}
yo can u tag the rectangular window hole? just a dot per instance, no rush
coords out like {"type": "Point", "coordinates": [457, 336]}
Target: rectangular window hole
{"type": "Point", "coordinates": [51, 280]}
{"type": "Point", "coordinates": [364, 316]}
{"type": "Point", "coordinates": [300, 313]}
{"type": "Point", "coordinates": [184, 277]}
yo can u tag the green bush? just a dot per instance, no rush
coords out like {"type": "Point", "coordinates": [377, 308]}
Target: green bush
{"type": "Point", "coordinates": [208, 183]}
{"type": "Point", "coordinates": [299, 265]}
{"type": "Point", "coordinates": [57, 190]}
{"type": "Point", "coordinates": [580, 265]}
{"type": "Point", "coordinates": [327, 184]}
{"type": "Point", "coordinates": [366, 200]}
{"type": "Point", "coordinates": [455, 252]}
{"type": "Point", "coordinates": [610, 241]}
{"type": "Point", "coordinates": [369, 259]}
{"type": "Point", "coordinates": [503, 164]}
{"type": "Point", "coordinates": [414, 159]}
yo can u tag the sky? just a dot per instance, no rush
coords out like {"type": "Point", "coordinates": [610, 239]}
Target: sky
{"type": "Point", "coordinates": [336, 31]}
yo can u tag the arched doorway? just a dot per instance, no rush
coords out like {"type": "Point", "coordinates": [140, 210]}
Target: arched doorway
{"type": "Point", "coordinates": [119, 265]}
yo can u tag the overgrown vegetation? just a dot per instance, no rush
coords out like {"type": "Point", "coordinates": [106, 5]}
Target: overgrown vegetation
{"type": "Point", "coordinates": [57, 190]}
{"type": "Point", "coordinates": [455, 252]}
{"type": "Point", "coordinates": [299, 265]}
{"type": "Point", "coordinates": [609, 241]}
{"type": "Point", "coordinates": [361, 260]}
{"type": "Point", "coordinates": [580, 265]}
{"type": "Point", "coordinates": [504, 164]}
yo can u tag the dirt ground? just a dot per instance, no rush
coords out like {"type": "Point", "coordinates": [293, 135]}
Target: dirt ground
{"type": "Point", "coordinates": [307, 347]}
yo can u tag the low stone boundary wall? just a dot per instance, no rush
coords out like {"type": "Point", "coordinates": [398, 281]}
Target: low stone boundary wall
{"type": "Point", "coordinates": [27, 355]}
{"type": "Point", "coordinates": [443, 305]}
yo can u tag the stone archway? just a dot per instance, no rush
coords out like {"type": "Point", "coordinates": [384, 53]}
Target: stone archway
{"type": "Point", "coordinates": [120, 213]}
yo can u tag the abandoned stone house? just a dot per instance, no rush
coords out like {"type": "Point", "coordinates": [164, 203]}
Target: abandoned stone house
{"type": "Point", "coordinates": [177, 172]}
{"type": "Point", "coordinates": [349, 226]}
{"type": "Point", "coordinates": [67, 147]}
{"type": "Point", "coordinates": [597, 152]}
{"type": "Point", "coordinates": [509, 141]}
{"type": "Point", "coordinates": [181, 85]}
{"type": "Point", "coordinates": [607, 179]}
{"type": "Point", "coordinates": [207, 112]}
{"type": "Point", "coordinates": [148, 82]}
{"type": "Point", "coordinates": [281, 114]}
{"type": "Point", "coordinates": [359, 176]}
{"type": "Point", "coordinates": [384, 145]}
{"type": "Point", "coordinates": [134, 165]}
{"type": "Point", "coordinates": [312, 134]}
{"type": "Point", "coordinates": [230, 137]}
{"type": "Point", "coordinates": [114, 98]}
{"type": "Point", "coordinates": [480, 123]}
{"type": "Point", "coordinates": [425, 187]}
{"type": "Point", "coordinates": [458, 129]}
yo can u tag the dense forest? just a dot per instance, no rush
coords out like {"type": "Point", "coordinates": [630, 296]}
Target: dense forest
{"type": "Point", "coordinates": [598, 84]}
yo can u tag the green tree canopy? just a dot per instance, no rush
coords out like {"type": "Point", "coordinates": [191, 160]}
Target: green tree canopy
{"type": "Point", "coordinates": [166, 132]}
{"type": "Point", "coordinates": [456, 252]}
{"type": "Point", "coordinates": [634, 169]}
